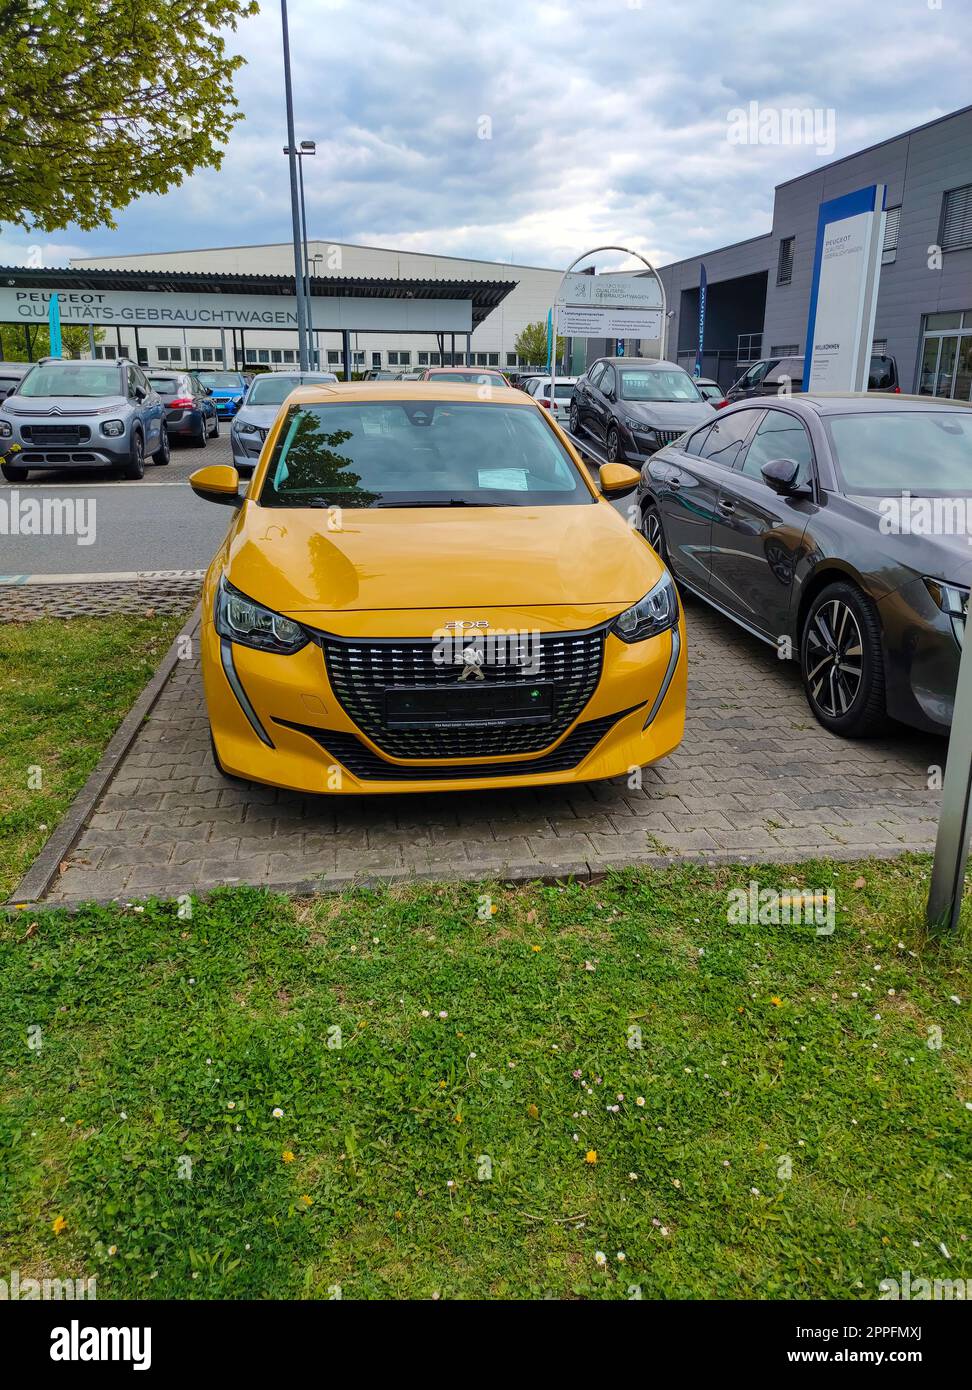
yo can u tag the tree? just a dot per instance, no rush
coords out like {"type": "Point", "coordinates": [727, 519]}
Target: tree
{"type": "Point", "coordinates": [26, 342]}
{"type": "Point", "coordinates": [104, 100]}
{"type": "Point", "coordinates": [532, 344]}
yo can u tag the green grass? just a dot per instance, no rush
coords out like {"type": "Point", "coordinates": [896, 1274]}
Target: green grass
{"type": "Point", "coordinates": [754, 1051]}
{"type": "Point", "coordinates": [64, 688]}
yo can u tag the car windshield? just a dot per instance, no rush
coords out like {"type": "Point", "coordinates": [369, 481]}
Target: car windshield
{"type": "Point", "coordinates": [652, 384]}
{"type": "Point", "coordinates": [274, 388]}
{"type": "Point", "coordinates": [222, 379]}
{"type": "Point", "coordinates": [420, 454]}
{"type": "Point", "coordinates": [879, 454]}
{"type": "Point", "coordinates": [493, 378]}
{"type": "Point", "coordinates": [69, 379]}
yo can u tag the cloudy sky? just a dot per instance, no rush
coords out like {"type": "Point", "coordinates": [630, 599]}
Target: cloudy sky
{"type": "Point", "coordinates": [605, 121]}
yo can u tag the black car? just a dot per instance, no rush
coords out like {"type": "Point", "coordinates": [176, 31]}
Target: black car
{"type": "Point", "coordinates": [631, 406]}
{"type": "Point", "coordinates": [11, 375]}
{"type": "Point", "coordinates": [190, 411]}
{"type": "Point", "coordinates": [776, 376]}
{"type": "Point", "coordinates": [835, 528]}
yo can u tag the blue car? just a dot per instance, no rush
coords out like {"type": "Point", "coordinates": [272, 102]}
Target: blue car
{"type": "Point", "coordinates": [228, 390]}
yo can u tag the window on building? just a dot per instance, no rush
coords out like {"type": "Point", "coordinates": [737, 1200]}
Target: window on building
{"type": "Point", "coordinates": [423, 359]}
{"type": "Point", "coordinates": [787, 350]}
{"type": "Point", "coordinates": [207, 354]}
{"type": "Point", "coordinates": [357, 358]}
{"type": "Point", "coordinates": [434, 360]}
{"type": "Point", "coordinates": [879, 347]}
{"type": "Point", "coordinates": [289, 355]}
{"type": "Point", "coordinates": [163, 354]}
{"type": "Point", "coordinates": [511, 359]}
{"type": "Point", "coordinates": [957, 218]}
{"type": "Point", "coordinates": [143, 357]}
{"type": "Point", "coordinates": [276, 355]}
{"type": "Point", "coordinates": [106, 352]}
{"type": "Point", "coordinates": [889, 250]}
{"type": "Point", "coordinates": [251, 355]}
{"type": "Point", "coordinates": [264, 355]}
{"type": "Point", "coordinates": [493, 359]}
{"type": "Point", "coordinates": [334, 358]}
{"type": "Point", "coordinates": [784, 269]}
{"type": "Point", "coordinates": [376, 359]}
{"type": "Point", "coordinates": [195, 355]}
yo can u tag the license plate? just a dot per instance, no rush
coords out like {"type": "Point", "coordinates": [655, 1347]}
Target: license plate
{"type": "Point", "coordinates": [476, 705]}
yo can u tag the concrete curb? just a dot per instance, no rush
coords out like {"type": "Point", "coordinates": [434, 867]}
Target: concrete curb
{"type": "Point", "coordinates": [42, 873]}
{"type": "Point", "coordinates": [581, 871]}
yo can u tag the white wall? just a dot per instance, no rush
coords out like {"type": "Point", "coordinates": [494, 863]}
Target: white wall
{"type": "Point", "coordinates": [527, 303]}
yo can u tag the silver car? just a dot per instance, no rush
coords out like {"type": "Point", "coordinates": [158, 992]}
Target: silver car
{"type": "Point", "coordinates": [88, 414]}
{"type": "Point", "coordinates": [261, 405]}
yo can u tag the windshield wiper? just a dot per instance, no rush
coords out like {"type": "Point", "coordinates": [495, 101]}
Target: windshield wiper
{"type": "Point", "coordinates": [438, 502]}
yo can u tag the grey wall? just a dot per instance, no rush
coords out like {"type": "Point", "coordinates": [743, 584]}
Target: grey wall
{"type": "Point", "coordinates": [918, 168]}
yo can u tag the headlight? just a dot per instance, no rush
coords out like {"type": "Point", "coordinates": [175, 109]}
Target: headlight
{"type": "Point", "coordinates": [5, 429]}
{"type": "Point", "coordinates": [953, 600]}
{"type": "Point", "coordinates": [241, 620]}
{"type": "Point", "coordinates": [241, 427]}
{"type": "Point", "coordinates": [639, 427]}
{"type": "Point", "coordinates": [655, 613]}
{"type": "Point", "coordinates": [113, 427]}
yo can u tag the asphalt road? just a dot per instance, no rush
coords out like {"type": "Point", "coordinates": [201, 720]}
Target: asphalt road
{"type": "Point", "coordinates": [154, 524]}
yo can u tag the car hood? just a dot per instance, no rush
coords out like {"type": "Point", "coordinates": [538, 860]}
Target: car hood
{"type": "Point", "coordinates": [261, 415]}
{"type": "Point", "coordinates": [495, 557]}
{"type": "Point", "coordinates": [668, 415]}
{"type": "Point", "coordinates": [63, 406]}
{"type": "Point", "coordinates": [944, 552]}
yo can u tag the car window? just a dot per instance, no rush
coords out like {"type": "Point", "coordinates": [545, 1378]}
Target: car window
{"type": "Point", "coordinates": [68, 378]}
{"type": "Point", "coordinates": [696, 441]}
{"type": "Point", "coordinates": [606, 384]}
{"type": "Point", "coordinates": [882, 375]}
{"type": "Point", "coordinates": [726, 437]}
{"type": "Point", "coordinates": [780, 436]}
{"type": "Point", "coordinates": [420, 454]}
{"type": "Point", "coordinates": [886, 453]}
{"type": "Point", "coordinates": [596, 372]}
{"type": "Point", "coordinates": [132, 383]}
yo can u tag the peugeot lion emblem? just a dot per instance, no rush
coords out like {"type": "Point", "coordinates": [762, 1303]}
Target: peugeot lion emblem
{"type": "Point", "coordinates": [472, 664]}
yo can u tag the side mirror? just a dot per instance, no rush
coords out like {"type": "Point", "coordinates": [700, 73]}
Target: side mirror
{"type": "Point", "coordinates": [219, 482]}
{"type": "Point", "coordinates": [209, 390]}
{"type": "Point", "coordinates": [781, 475]}
{"type": "Point", "coordinates": [618, 477]}
{"type": "Point", "coordinates": [138, 393]}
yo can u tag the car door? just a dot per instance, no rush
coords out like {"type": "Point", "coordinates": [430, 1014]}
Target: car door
{"type": "Point", "coordinates": [758, 535]}
{"type": "Point", "coordinates": [585, 395]}
{"type": "Point", "coordinates": [603, 396]}
{"type": "Point", "coordinates": [153, 410]}
{"type": "Point", "coordinates": [687, 484]}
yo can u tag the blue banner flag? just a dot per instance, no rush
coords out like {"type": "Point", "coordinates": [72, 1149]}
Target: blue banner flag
{"type": "Point", "coordinates": [703, 286]}
{"type": "Point", "coordinates": [54, 324]}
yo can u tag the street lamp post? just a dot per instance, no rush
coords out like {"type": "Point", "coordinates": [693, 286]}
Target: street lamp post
{"type": "Point", "coordinates": [294, 208]}
{"type": "Point", "coordinates": [306, 147]}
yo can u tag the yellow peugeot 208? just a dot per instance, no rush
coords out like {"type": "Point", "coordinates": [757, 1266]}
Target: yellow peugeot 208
{"type": "Point", "coordinates": [423, 590]}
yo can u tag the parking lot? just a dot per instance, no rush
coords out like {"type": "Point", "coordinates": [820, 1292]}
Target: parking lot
{"type": "Point", "coordinates": [755, 779]}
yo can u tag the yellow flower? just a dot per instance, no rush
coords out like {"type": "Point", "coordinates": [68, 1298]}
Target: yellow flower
{"type": "Point", "coordinates": [287, 1156]}
{"type": "Point", "coordinates": [776, 1000]}
{"type": "Point", "coordinates": [307, 1201]}
{"type": "Point", "coordinates": [441, 1085]}
{"type": "Point", "coordinates": [58, 1225]}
{"type": "Point", "coordinates": [537, 948]}
{"type": "Point", "coordinates": [590, 1156]}
{"type": "Point", "coordinates": [533, 1112]}
{"type": "Point", "coordinates": [457, 1119]}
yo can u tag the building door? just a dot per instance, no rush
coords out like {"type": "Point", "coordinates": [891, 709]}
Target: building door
{"type": "Point", "coordinates": [946, 356]}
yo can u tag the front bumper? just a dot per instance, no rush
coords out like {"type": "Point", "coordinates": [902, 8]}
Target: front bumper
{"type": "Point", "coordinates": [96, 451]}
{"type": "Point", "coordinates": [277, 720]}
{"type": "Point", "coordinates": [226, 408]}
{"type": "Point", "coordinates": [921, 658]}
{"type": "Point", "coordinates": [246, 450]}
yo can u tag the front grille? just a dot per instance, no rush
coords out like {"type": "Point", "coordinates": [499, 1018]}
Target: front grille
{"type": "Point", "coordinates": [360, 672]}
{"type": "Point", "coordinates": [56, 436]}
{"type": "Point", "coordinates": [669, 436]}
{"type": "Point", "coordinates": [362, 763]}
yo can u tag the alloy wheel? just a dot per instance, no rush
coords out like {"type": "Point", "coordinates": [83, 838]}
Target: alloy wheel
{"type": "Point", "coordinates": [835, 658]}
{"type": "Point", "coordinates": [652, 531]}
{"type": "Point", "coordinates": [613, 446]}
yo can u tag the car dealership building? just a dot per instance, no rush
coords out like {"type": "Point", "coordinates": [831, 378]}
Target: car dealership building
{"type": "Point", "coordinates": [524, 294]}
{"type": "Point", "coordinates": [758, 291]}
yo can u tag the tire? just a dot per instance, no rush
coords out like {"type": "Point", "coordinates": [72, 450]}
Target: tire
{"type": "Point", "coordinates": [164, 452]}
{"type": "Point", "coordinates": [574, 419]}
{"type": "Point", "coordinates": [653, 532]}
{"type": "Point", "coordinates": [12, 473]}
{"type": "Point", "coordinates": [135, 467]}
{"type": "Point", "coordinates": [842, 662]}
{"type": "Point", "coordinates": [201, 439]}
{"type": "Point", "coordinates": [615, 452]}
{"type": "Point", "coordinates": [215, 433]}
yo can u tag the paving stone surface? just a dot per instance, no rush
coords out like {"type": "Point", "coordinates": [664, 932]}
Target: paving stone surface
{"type": "Point", "coordinates": [150, 594]}
{"type": "Point", "coordinates": [755, 779]}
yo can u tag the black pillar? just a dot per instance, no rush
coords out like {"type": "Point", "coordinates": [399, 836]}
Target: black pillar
{"type": "Point", "coordinates": [346, 349]}
{"type": "Point", "coordinates": [30, 350]}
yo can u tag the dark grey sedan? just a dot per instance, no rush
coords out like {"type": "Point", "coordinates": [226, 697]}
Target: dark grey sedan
{"type": "Point", "coordinates": [837, 529]}
{"type": "Point", "coordinates": [631, 406]}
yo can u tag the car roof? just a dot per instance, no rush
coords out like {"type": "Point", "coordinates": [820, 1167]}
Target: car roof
{"type": "Point", "coordinates": [12, 368]}
{"type": "Point", "coordinates": [497, 370]}
{"type": "Point", "coordinates": [836, 402]}
{"type": "Point", "coordinates": [404, 391]}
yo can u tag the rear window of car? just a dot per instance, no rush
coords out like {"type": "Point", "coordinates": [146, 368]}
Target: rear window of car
{"type": "Point", "coordinates": [275, 387]}
{"type": "Point", "coordinates": [882, 374]}
{"type": "Point", "coordinates": [473, 377]}
{"type": "Point", "coordinates": [420, 453]}
{"type": "Point", "coordinates": [166, 385]}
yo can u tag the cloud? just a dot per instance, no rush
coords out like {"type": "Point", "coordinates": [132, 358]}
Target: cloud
{"type": "Point", "coordinates": [531, 132]}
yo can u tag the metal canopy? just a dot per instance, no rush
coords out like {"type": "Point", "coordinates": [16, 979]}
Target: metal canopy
{"type": "Point", "coordinates": [484, 295]}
